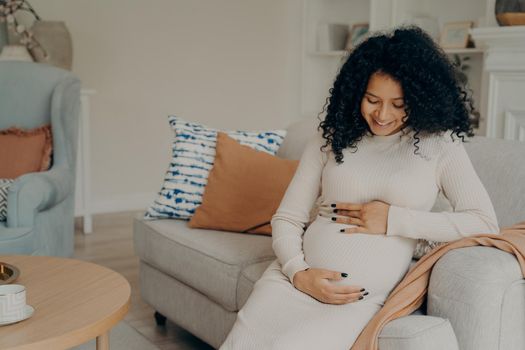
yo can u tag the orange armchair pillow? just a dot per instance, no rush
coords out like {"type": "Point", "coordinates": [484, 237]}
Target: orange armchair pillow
{"type": "Point", "coordinates": [24, 151]}
{"type": "Point", "coordinates": [244, 189]}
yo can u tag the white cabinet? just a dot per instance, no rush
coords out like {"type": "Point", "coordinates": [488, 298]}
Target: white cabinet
{"type": "Point", "coordinates": [319, 68]}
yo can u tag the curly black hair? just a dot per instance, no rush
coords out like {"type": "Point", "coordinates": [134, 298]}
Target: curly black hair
{"type": "Point", "coordinates": [435, 101]}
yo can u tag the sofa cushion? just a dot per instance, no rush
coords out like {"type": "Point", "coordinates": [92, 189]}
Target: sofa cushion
{"type": "Point", "coordinates": [186, 307]}
{"type": "Point", "coordinates": [193, 154]}
{"type": "Point", "coordinates": [418, 333]}
{"type": "Point", "coordinates": [207, 260]}
{"type": "Point", "coordinates": [248, 277]}
{"type": "Point", "coordinates": [500, 165]}
{"type": "Point", "coordinates": [297, 135]}
{"type": "Point", "coordinates": [244, 189]}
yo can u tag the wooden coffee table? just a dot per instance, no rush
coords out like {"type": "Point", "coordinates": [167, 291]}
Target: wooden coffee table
{"type": "Point", "coordinates": [74, 301]}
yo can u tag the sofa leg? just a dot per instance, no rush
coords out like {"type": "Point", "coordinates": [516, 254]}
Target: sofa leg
{"type": "Point", "coordinates": [160, 319]}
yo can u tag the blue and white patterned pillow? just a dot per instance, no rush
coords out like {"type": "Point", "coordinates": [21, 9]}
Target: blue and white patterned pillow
{"type": "Point", "coordinates": [193, 154]}
{"type": "Point", "coordinates": [4, 185]}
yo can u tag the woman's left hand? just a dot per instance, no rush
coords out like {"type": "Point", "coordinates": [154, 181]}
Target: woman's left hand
{"type": "Point", "coordinates": [370, 218]}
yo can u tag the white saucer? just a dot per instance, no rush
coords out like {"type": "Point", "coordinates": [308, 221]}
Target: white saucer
{"type": "Point", "coordinates": [28, 312]}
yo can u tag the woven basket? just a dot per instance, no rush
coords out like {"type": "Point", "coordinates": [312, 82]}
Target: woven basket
{"type": "Point", "coordinates": [511, 18]}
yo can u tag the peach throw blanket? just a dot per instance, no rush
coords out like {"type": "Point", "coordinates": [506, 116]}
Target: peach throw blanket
{"type": "Point", "coordinates": [410, 292]}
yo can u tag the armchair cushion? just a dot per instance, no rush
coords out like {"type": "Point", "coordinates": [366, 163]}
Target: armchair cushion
{"type": "Point", "coordinates": [24, 151]}
{"type": "Point", "coordinates": [20, 240]}
{"type": "Point", "coordinates": [36, 192]}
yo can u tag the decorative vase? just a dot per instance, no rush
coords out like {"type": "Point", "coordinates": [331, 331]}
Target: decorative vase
{"type": "Point", "coordinates": [15, 53]}
{"type": "Point", "coordinates": [510, 12]}
{"type": "Point", "coordinates": [56, 45]}
{"type": "Point", "coordinates": [3, 34]}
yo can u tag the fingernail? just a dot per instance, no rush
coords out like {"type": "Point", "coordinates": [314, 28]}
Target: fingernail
{"type": "Point", "coordinates": [333, 219]}
{"type": "Point", "coordinates": [361, 297]}
{"type": "Point", "coordinates": [342, 230]}
{"type": "Point", "coordinates": [333, 205]}
{"type": "Point", "coordinates": [365, 293]}
{"type": "Point", "coordinates": [362, 290]}
{"type": "Point", "coordinates": [344, 274]}
{"type": "Point", "coordinates": [335, 210]}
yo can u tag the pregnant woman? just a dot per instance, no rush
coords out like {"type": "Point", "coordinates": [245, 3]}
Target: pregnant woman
{"type": "Point", "coordinates": [391, 140]}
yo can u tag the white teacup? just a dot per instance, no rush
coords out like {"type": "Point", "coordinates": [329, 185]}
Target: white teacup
{"type": "Point", "coordinates": [12, 302]}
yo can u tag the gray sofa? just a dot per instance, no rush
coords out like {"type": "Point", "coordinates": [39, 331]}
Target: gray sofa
{"type": "Point", "coordinates": [199, 279]}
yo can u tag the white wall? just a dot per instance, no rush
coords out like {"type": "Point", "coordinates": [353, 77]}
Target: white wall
{"type": "Point", "coordinates": [224, 63]}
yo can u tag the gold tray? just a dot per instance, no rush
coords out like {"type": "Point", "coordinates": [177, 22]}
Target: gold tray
{"type": "Point", "coordinates": [8, 273]}
{"type": "Point", "coordinates": [511, 18]}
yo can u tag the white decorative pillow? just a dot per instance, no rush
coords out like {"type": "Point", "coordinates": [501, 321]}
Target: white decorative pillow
{"type": "Point", "coordinates": [193, 154]}
{"type": "Point", "coordinates": [4, 185]}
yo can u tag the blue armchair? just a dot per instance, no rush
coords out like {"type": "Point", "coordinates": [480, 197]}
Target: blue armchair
{"type": "Point", "coordinates": [40, 206]}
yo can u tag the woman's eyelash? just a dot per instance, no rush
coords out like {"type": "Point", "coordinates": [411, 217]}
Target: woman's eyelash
{"type": "Point", "coordinates": [375, 102]}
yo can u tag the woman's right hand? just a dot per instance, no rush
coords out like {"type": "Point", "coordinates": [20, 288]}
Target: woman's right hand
{"type": "Point", "coordinates": [318, 284]}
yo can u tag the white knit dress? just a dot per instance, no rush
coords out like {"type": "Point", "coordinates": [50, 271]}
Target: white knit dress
{"type": "Point", "coordinates": [279, 316]}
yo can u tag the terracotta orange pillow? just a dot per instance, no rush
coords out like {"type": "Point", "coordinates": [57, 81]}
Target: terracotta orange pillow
{"type": "Point", "coordinates": [244, 189]}
{"type": "Point", "coordinates": [24, 151]}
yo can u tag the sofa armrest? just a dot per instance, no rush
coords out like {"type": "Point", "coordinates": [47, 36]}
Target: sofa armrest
{"type": "Point", "coordinates": [35, 192]}
{"type": "Point", "coordinates": [479, 289]}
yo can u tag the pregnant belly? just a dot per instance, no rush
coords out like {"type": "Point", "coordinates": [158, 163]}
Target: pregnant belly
{"type": "Point", "coordinates": [375, 262]}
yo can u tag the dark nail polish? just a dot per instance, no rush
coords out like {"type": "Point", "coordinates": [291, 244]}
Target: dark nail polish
{"type": "Point", "coordinates": [344, 274]}
{"type": "Point", "coordinates": [365, 293]}
{"type": "Point", "coordinates": [335, 210]}
{"type": "Point", "coordinates": [333, 205]}
{"type": "Point", "coordinates": [361, 297]}
{"type": "Point", "coordinates": [342, 230]}
{"type": "Point", "coordinates": [333, 219]}
{"type": "Point", "coordinates": [362, 290]}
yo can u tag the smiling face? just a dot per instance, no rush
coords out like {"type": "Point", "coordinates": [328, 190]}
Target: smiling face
{"type": "Point", "coordinates": [383, 105]}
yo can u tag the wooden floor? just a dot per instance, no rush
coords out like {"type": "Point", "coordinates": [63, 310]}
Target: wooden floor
{"type": "Point", "coordinates": [111, 245]}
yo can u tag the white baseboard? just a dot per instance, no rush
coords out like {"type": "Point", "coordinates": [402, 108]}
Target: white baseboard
{"type": "Point", "coordinates": [128, 202]}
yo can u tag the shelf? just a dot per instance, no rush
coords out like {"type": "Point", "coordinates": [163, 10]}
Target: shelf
{"type": "Point", "coordinates": [469, 50]}
{"type": "Point", "coordinates": [464, 51]}
{"type": "Point", "coordinates": [500, 37]}
{"type": "Point", "coordinates": [319, 68]}
{"type": "Point", "coordinates": [330, 53]}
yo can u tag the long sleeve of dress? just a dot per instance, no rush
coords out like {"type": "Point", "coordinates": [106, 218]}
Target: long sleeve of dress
{"type": "Point", "coordinates": [473, 210]}
{"type": "Point", "coordinates": [289, 221]}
